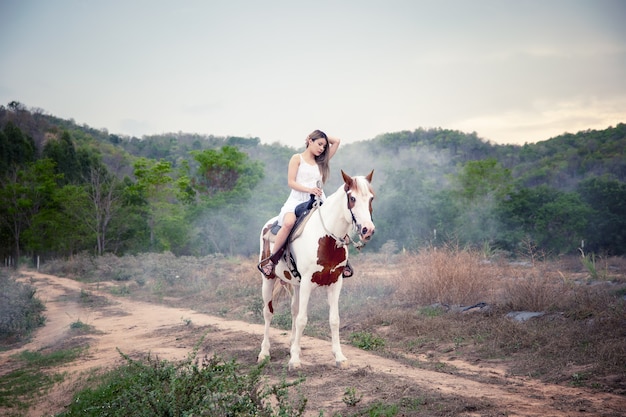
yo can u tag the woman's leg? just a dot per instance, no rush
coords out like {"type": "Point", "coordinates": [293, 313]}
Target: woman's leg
{"type": "Point", "coordinates": [347, 270]}
{"type": "Point", "coordinates": [288, 221]}
{"type": "Point", "coordinates": [267, 265]}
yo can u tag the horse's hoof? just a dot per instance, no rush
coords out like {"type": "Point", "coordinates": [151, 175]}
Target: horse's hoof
{"type": "Point", "coordinates": [294, 365]}
{"type": "Point", "coordinates": [262, 357]}
{"type": "Point", "coordinates": [342, 364]}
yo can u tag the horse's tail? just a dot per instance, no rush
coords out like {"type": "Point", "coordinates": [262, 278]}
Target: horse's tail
{"type": "Point", "coordinates": [281, 288]}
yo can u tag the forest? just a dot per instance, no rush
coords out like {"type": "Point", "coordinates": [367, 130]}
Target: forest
{"type": "Point", "coordinates": [67, 189]}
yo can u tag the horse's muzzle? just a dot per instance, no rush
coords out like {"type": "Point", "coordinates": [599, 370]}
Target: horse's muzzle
{"type": "Point", "coordinates": [366, 232]}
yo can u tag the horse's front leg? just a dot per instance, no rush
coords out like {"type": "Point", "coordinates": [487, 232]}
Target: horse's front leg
{"type": "Point", "coordinates": [298, 321]}
{"type": "Point", "coordinates": [268, 314]}
{"type": "Point", "coordinates": [333, 318]}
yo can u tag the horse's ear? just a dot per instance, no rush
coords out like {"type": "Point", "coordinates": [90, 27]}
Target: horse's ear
{"type": "Point", "coordinates": [369, 177]}
{"type": "Point", "coordinates": [346, 178]}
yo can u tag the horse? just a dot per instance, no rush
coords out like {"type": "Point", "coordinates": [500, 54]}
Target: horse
{"type": "Point", "coordinates": [316, 257]}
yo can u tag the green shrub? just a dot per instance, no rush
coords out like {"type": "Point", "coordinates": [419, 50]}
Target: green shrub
{"type": "Point", "coordinates": [367, 341]}
{"type": "Point", "coordinates": [20, 311]}
{"type": "Point", "coordinates": [350, 397]}
{"type": "Point", "coordinates": [207, 387]}
{"type": "Point", "coordinates": [122, 276]}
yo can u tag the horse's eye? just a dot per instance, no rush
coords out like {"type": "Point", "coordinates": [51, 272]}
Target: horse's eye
{"type": "Point", "coordinates": [353, 199]}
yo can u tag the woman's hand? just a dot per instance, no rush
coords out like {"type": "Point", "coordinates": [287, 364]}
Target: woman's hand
{"type": "Point", "coordinates": [316, 191]}
{"type": "Point", "coordinates": [333, 143]}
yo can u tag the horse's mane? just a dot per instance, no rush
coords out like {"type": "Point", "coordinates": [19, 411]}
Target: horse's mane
{"type": "Point", "coordinates": [362, 185]}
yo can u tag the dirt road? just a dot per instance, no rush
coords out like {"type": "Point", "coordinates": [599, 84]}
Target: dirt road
{"type": "Point", "coordinates": [138, 328]}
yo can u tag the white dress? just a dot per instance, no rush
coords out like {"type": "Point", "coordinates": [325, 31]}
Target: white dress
{"type": "Point", "coordinates": [307, 175]}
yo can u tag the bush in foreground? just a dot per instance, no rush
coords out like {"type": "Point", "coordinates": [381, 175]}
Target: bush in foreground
{"type": "Point", "coordinates": [20, 311]}
{"type": "Point", "coordinates": [207, 387]}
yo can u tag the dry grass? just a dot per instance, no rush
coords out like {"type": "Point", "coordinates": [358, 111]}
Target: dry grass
{"type": "Point", "coordinates": [530, 289]}
{"type": "Point", "coordinates": [580, 339]}
{"type": "Point", "coordinates": [410, 301]}
{"type": "Point", "coordinates": [446, 276]}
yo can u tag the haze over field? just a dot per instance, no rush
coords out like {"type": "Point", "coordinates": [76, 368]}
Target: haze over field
{"type": "Point", "coordinates": [513, 72]}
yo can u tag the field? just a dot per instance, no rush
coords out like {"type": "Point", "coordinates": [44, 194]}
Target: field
{"type": "Point", "coordinates": [436, 333]}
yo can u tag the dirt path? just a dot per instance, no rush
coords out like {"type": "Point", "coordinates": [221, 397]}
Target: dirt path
{"type": "Point", "coordinates": [138, 328]}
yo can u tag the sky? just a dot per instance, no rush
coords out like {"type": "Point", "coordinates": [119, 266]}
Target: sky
{"type": "Point", "coordinates": [512, 71]}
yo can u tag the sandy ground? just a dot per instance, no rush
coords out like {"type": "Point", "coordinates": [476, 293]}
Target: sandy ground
{"type": "Point", "coordinates": [138, 328]}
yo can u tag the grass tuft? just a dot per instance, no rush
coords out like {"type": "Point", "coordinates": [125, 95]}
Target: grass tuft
{"type": "Point", "coordinates": [31, 377]}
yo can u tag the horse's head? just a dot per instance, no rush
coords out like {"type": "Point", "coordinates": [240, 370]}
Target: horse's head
{"type": "Point", "coordinates": [360, 196]}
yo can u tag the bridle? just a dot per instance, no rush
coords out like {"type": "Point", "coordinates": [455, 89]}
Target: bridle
{"type": "Point", "coordinates": [347, 240]}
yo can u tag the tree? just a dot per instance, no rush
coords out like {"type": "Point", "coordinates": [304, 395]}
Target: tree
{"type": "Point", "coordinates": [560, 223]}
{"type": "Point", "coordinates": [554, 220]}
{"type": "Point", "coordinates": [224, 171]}
{"type": "Point", "coordinates": [154, 181]}
{"type": "Point", "coordinates": [63, 152]}
{"type": "Point", "coordinates": [105, 196]}
{"type": "Point", "coordinates": [128, 231]}
{"type": "Point", "coordinates": [15, 148]}
{"type": "Point", "coordinates": [24, 193]}
{"type": "Point", "coordinates": [606, 230]}
{"type": "Point", "coordinates": [478, 179]}
{"type": "Point", "coordinates": [59, 228]}
{"type": "Point", "coordinates": [222, 220]}
{"type": "Point", "coordinates": [89, 208]}
{"type": "Point", "coordinates": [478, 188]}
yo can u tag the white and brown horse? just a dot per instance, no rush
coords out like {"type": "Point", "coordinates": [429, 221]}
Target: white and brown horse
{"type": "Point", "coordinates": [320, 253]}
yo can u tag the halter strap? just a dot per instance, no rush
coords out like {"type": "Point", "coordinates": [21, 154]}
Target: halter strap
{"type": "Point", "coordinates": [345, 240]}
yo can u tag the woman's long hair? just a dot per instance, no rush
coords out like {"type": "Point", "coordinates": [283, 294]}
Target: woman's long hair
{"type": "Point", "coordinates": [322, 159]}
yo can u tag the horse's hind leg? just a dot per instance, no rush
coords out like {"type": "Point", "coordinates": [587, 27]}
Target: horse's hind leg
{"type": "Point", "coordinates": [299, 319]}
{"type": "Point", "coordinates": [268, 314]}
{"type": "Point", "coordinates": [333, 319]}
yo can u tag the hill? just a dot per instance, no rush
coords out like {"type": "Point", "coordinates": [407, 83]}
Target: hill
{"type": "Point", "coordinates": [433, 186]}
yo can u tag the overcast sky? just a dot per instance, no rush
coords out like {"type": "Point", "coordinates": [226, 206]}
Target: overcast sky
{"type": "Point", "coordinates": [511, 71]}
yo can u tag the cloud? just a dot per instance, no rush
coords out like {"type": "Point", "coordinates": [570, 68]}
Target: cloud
{"type": "Point", "coordinates": [545, 119]}
{"type": "Point", "coordinates": [133, 127]}
{"type": "Point", "coordinates": [356, 69]}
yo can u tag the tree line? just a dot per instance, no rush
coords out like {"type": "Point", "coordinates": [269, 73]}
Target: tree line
{"type": "Point", "coordinates": [66, 189]}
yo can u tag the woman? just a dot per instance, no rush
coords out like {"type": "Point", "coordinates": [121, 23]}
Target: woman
{"type": "Point", "coordinates": [307, 172]}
